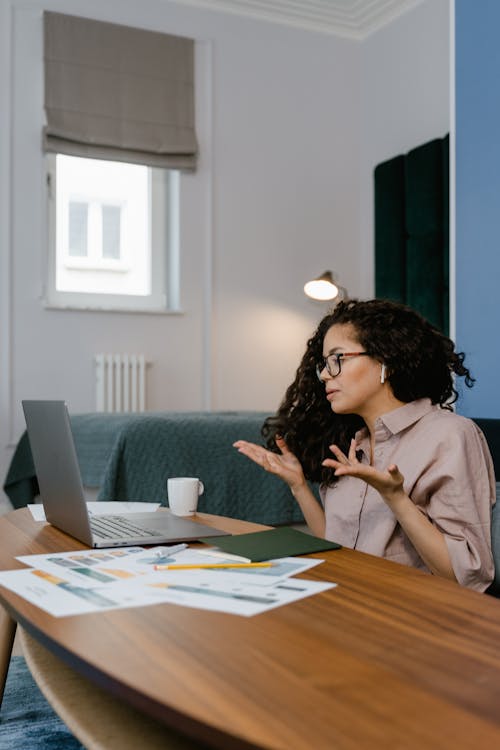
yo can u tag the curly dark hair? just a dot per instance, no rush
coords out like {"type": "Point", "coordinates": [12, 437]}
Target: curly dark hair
{"type": "Point", "coordinates": [420, 362]}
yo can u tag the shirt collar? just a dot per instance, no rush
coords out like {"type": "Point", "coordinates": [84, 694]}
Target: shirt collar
{"type": "Point", "coordinates": [403, 417]}
{"type": "Point", "coordinates": [398, 420]}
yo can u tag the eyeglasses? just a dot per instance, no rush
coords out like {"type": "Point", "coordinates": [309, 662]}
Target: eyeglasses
{"type": "Point", "coordinates": [333, 363]}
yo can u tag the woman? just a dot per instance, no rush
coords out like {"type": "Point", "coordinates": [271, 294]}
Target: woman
{"type": "Point", "coordinates": [369, 417]}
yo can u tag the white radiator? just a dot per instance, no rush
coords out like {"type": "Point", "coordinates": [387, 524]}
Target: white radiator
{"type": "Point", "coordinates": [120, 382]}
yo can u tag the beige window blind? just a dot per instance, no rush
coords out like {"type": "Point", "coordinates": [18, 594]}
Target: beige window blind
{"type": "Point", "coordinates": [118, 93]}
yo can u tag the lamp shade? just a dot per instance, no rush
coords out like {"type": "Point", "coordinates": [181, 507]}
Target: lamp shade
{"type": "Point", "coordinates": [322, 288]}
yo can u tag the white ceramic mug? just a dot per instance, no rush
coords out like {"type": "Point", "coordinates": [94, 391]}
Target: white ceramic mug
{"type": "Point", "coordinates": [183, 494]}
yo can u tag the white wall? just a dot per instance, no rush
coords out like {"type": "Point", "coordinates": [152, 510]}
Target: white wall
{"type": "Point", "coordinates": [288, 129]}
{"type": "Point", "coordinates": [285, 201]}
{"type": "Point", "coordinates": [405, 97]}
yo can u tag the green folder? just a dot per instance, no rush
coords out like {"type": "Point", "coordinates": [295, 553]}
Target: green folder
{"type": "Point", "coordinates": [283, 541]}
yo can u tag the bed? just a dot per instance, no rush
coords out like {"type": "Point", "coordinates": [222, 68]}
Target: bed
{"type": "Point", "coordinates": [130, 456]}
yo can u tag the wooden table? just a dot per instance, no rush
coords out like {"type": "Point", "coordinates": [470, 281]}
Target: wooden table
{"type": "Point", "coordinates": [391, 658]}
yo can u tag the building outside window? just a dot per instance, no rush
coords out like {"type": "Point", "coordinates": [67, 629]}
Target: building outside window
{"type": "Point", "coordinates": [113, 235]}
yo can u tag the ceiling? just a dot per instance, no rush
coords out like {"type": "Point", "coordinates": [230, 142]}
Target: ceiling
{"type": "Point", "coordinates": [354, 19]}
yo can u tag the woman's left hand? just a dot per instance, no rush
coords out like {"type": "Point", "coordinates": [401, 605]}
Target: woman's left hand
{"type": "Point", "coordinates": [389, 482]}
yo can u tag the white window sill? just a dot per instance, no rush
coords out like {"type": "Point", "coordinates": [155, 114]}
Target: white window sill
{"type": "Point", "coordinates": [128, 310]}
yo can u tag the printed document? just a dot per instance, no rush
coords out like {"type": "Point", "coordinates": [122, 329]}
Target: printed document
{"type": "Point", "coordinates": [71, 583]}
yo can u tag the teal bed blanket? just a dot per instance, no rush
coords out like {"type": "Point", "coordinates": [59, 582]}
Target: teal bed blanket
{"type": "Point", "coordinates": [131, 456]}
{"type": "Point", "coordinates": [94, 436]}
{"type": "Point", "coordinates": [153, 448]}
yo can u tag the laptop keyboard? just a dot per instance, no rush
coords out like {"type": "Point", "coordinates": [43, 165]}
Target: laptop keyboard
{"type": "Point", "coordinates": [117, 527]}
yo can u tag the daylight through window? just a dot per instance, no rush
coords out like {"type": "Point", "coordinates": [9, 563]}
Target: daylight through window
{"type": "Point", "coordinates": [112, 239]}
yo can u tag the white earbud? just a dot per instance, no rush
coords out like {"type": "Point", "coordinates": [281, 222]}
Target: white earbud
{"type": "Point", "coordinates": [382, 374]}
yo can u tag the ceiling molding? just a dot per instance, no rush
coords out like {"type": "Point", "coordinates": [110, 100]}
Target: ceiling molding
{"type": "Point", "coordinates": [354, 19]}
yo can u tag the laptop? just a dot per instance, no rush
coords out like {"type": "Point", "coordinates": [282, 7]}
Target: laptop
{"type": "Point", "coordinates": [61, 490]}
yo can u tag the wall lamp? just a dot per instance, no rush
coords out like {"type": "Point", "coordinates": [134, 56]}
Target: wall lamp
{"type": "Point", "coordinates": [324, 288]}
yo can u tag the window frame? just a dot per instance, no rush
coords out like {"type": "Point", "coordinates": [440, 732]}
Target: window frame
{"type": "Point", "coordinates": [165, 250]}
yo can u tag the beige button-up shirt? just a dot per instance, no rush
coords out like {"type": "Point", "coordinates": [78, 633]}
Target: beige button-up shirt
{"type": "Point", "coordinates": [448, 473]}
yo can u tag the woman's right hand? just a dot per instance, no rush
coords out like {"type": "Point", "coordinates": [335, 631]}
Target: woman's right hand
{"type": "Point", "coordinates": [287, 467]}
{"type": "Point", "coordinates": [284, 465]}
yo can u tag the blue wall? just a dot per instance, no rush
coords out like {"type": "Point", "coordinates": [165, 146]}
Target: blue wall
{"type": "Point", "coordinates": [477, 92]}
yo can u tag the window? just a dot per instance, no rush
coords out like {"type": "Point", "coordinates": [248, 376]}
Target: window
{"type": "Point", "coordinates": [113, 235]}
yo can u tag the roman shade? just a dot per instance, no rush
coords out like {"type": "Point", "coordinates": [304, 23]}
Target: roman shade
{"type": "Point", "coordinates": [118, 93]}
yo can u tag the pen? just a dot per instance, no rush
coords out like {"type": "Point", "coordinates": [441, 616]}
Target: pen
{"type": "Point", "coordinates": [172, 550]}
{"type": "Point", "coordinates": [214, 565]}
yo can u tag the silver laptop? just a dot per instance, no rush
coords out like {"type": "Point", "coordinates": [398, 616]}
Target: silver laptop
{"type": "Point", "coordinates": [61, 490]}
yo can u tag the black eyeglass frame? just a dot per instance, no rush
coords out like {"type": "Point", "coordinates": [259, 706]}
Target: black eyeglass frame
{"type": "Point", "coordinates": [337, 357]}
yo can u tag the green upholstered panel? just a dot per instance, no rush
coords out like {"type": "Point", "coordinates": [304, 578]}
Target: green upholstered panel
{"type": "Point", "coordinates": [390, 230]}
{"type": "Point", "coordinates": [424, 189]}
{"type": "Point", "coordinates": [424, 277]}
{"type": "Point", "coordinates": [445, 306]}
{"type": "Point", "coordinates": [411, 230]}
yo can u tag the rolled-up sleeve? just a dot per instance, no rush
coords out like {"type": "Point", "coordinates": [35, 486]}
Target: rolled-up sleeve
{"type": "Point", "coordinates": [460, 489]}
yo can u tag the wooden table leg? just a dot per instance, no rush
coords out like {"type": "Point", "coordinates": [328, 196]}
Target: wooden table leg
{"type": "Point", "coordinates": [7, 632]}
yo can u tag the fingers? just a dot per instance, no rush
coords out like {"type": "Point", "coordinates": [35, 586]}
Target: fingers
{"type": "Point", "coordinates": [241, 444]}
{"type": "Point", "coordinates": [338, 453]}
{"type": "Point", "coordinates": [340, 456]}
{"type": "Point", "coordinates": [259, 454]}
{"type": "Point", "coordinates": [339, 462]}
{"type": "Point", "coordinates": [270, 463]}
{"type": "Point", "coordinates": [352, 451]}
{"type": "Point", "coordinates": [330, 463]}
{"type": "Point", "coordinates": [394, 472]}
{"type": "Point", "coordinates": [281, 444]}
{"type": "Point", "coordinates": [251, 450]}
